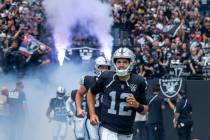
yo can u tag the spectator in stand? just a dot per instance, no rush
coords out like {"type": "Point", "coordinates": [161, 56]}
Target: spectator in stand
{"type": "Point", "coordinates": [167, 25]}
{"type": "Point", "coordinates": [17, 19]}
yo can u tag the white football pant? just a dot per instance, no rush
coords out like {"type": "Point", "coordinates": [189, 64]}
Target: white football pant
{"type": "Point", "coordinates": [59, 129]}
{"type": "Point", "coordinates": [79, 128]}
{"type": "Point", "coordinates": [92, 130]}
{"type": "Point", "coordinates": [106, 134]}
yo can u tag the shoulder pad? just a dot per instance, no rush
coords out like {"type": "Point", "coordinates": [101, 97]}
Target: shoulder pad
{"type": "Point", "coordinates": [82, 80]}
{"type": "Point", "coordinates": [107, 74]}
{"type": "Point", "coordinates": [66, 98]}
{"type": "Point", "coordinates": [73, 94]}
{"type": "Point", "coordinates": [53, 100]}
{"type": "Point", "coordinates": [141, 79]}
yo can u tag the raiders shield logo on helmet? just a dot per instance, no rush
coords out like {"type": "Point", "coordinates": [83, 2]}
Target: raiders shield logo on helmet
{"type": "Point", "coordinates": [170, 87]}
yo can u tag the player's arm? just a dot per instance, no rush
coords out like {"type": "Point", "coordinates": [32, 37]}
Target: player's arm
{"type": "Point", "coordinates": [49, 109]}
{"type": "Point", "coordinates": [140, 107]}
{"type": "Point", "coordinates": [171, 105]}
{"type": "Point", "coordinates": [79, 97]}
{"type": "Point", "coordinates": [177, 111]}
{"type": "Point", "coordinates": [91, 102]}
{"type": "Point", "coordinates": [68, 107]}
{"type": "Point", "coordinates": [146, 109]}
{"type": "Point", "coordinates": [96, 89]}
{"type": "Point", "coordinates": [139, 103]}
{"type": "Point", "coordinates": [176, 117]}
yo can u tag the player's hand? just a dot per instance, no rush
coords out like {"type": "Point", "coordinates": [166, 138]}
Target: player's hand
{"type": "Point", "coordinates": [81, 113]}
{"type": "Point", "coordinates": [49, 120]}
{"type": "Point", "coordinates": [167, 100]}
{"type": "Point", "coordinates": [94, 120]}
{"type": "Point", "coordinates": [175, 123]}
{"type": "Point", "coordinates": [132, 102]}
{"type": "Point", "coordinates": [69, 114]}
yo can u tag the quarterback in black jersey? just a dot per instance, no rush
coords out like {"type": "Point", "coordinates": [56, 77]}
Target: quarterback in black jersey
{"type": "Point", "coordinates": [101, 65]}
{"type": "Point", "coordinates": [123, 95]}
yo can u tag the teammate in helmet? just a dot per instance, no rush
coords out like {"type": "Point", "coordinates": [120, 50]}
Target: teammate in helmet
{"type": "Point", "coordinates": [78, 122]}
{"type": "Point", "coordinates": [101, 65]}
{"type": "Point", "coordinates": [57, 105]}
{"type": "Point", "coordinates": [123, 95]}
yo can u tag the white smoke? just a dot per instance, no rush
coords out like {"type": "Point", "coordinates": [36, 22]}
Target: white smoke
{"type": "Point", "coordinates": [40, 87]}
{"type": "Point", "coordinates": [93, 15]}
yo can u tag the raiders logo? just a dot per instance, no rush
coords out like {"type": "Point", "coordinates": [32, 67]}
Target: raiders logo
{"type": "Point", "coordinates": [133, 87]}
{"type": "Point", "coordinates": [170, 87]}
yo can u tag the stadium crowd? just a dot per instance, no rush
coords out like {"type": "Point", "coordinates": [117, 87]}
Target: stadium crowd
{"type": "Point", "coordinates": [19, 18]}
{"type": "Point", "coordinates": [164, 35]}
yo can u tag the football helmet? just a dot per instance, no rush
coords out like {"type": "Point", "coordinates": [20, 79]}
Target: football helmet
{"type": "Point", "coordinates": [99, 61]}
{"type": "Point", "coordinates": [127, 54]}
{"type": "Point", "coordinates": [60, 91]}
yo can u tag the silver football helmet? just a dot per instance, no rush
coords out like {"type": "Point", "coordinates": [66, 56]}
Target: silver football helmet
{"type": "Point", "coordinates": [127, 54]}
{"type": "Point", "coordinates": [99, 61]}
{"type": "Point", "coordinates": [60, 91]}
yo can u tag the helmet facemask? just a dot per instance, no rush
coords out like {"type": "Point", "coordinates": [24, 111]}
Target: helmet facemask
{"type": "Point", "coordinates": [123, 72]}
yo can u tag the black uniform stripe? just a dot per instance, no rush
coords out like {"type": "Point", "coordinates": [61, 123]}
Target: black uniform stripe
{"type": "Point", "coordinates": [86, 127]}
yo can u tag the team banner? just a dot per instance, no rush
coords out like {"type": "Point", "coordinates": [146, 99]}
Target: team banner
{"type": "Point", "coordinates": [172, 29]}
{"type": "Point", "coordinates": [30, 44]}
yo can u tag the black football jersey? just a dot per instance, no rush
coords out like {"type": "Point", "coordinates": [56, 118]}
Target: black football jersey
{"type": "Point", "coordinates": [184, 107]}
{"type": "Point", "coordinates": [73, 97]}
{"type": "Point", "coordinates": [155, 114]}
{"type": "Point", "coordinates": [16, 100]}
{"type": "Point", "coordinates": [115, 113]}
{"type": "Point", "coordinates": [89, 81]}
{"type": "Point", "coordinates": [58, 106]}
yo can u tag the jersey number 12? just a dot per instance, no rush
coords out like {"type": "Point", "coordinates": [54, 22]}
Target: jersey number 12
{"type": "Point", "coordinates": [122, 105]}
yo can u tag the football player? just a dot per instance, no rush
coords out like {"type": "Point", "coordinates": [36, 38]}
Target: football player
{"type": "Point", "coordinates": [101, 65]}
{"type": "Point", "coordinates": [79, 130]}
{"type": "Point", "coordinates": [123, 95]}
{"type": "Point", "coordinates": [18, 110]}
{"type": "Point", "coordinates": [57, 105]}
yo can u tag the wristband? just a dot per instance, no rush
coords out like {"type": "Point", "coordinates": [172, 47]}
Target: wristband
{"type": "Point", "coordinates": [140, 108]}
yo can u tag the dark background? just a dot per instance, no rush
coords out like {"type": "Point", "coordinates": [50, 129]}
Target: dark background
{"type": "Point", "coordinates": [198, 92]}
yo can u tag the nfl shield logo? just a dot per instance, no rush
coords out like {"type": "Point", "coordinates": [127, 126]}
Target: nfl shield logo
{"type": "Point", "coordinates": [170, 87]}
{"type": "Point", "coordinates": [133, 87]}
